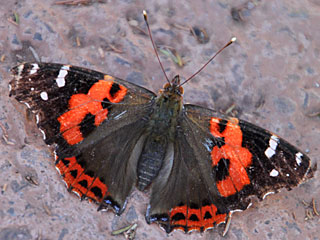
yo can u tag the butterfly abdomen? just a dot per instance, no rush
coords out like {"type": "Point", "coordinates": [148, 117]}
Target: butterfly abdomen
{"type": "Point", "coordinates": [151, 160]}
{"type": "Point", "coordinates": [160, 131]}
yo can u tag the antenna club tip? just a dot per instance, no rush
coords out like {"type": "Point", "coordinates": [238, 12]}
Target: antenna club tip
{"type": "Point", "coordinates": [233, 39]}
{"type": "Point", "coordinates": [144, 12]}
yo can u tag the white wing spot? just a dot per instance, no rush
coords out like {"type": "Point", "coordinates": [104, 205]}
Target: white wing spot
{"type": "Point", "coordinates": [273, 143]}
{"type": "Point", "coordinates": [32, 89]}
{"type": "Point", "coordinates": [269, 152]}
{"type": "Point", "coordinates": [60, 80]}
{"type": "Point", "coordinates": [78, 194]}
{"type": "Point", "coordinates": [274, 140]}
{"type": "Point", "coordinates": [268, 193]}
{"type": "Point", "coordinates": [20, 69]}
{"type": "Point", "coordinates": [35, 68]}
{"type": "Point", "coordinates": [298, 158]}
{"type": "Point", "coordinates": [274, 173]}
{"type": "Point", "coordinates": [58, 170]}
{"type": "Point", "coordinates": [27, 104]}
{"type": "Point", "coordinates": [37, 118]}
{"type": "Point", "coordinates": [44, 96]}
{"type": "Point", "coordinates": [43, 134]}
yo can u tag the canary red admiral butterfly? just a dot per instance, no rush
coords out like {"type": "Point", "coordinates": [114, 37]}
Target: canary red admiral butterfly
{"type": "Point", "coordinates": [110, 135]}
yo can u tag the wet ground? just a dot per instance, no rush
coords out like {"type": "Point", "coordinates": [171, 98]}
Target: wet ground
{"type": "Point", "coordinates": [269, 77]}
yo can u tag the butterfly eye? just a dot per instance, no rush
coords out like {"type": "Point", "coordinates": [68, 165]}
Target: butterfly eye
{"type": "Point", "coordinates": [166, 86]}
{"type": "Point", "coordinates": [181, 90]}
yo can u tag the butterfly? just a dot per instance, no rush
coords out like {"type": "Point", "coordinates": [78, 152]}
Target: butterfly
{"type": "Point", "coordinates": [109, 136]}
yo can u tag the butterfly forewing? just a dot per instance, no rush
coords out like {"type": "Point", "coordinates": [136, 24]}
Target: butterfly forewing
{"type": "Point", "coordinates": [64, 97]}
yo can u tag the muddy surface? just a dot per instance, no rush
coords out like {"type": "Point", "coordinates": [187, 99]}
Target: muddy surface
{"type": "Point", "coordinates": [269, 77]}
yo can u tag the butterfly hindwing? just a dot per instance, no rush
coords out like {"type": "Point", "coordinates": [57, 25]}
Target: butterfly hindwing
{"type": "Point", "coordinates": [110, 158]}
{"type": "Point", "coordinates": [187, 198]}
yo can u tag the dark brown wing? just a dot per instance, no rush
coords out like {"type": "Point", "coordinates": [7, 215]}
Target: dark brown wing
{"type": "Point", "coordinates": [217, 164]}
{"type": "Point", "coordinates": [95, 122]}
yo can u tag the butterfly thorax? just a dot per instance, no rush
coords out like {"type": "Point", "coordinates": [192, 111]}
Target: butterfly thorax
{"type": "Point", "coordinates": [161, 132]}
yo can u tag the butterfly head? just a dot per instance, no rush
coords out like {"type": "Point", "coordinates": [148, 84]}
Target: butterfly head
{"type": "Point", "coordinates": [173, 88]}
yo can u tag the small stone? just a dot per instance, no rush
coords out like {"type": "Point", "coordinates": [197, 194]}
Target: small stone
{"type": "Point", "coordinates": [131, 215]}
{"type": "Point", "coordinates": [64, 232]}
{"type": "Point", "coordinates": [123, 62]}
{"type": "Point", "coordinates": [15, 233]}
{"type": "Point", "coordinates": [15, 40]}
{"type": "Point", "coordinates": [37, 36]}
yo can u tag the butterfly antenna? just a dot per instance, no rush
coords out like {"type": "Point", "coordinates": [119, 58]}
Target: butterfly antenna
{"type": "Point", "coordinates": [154, 46]}
{"type": "Point", "coordinates": [225, 46]}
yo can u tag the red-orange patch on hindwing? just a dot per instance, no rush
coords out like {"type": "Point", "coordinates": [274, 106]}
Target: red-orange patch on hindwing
{"type": "Point", "coordinates": [62, 165]}
{"type": "Point", "coordinates": [92, 191]}
{"type": "Point", "coordinates": [240, 158]}
{"type": "Point", "coordinates": [82, 104]}
{"type": "Point", "coordinates": [70, 169]}
{"type": "Point", "coordinates": [200, 219]}
{"type": "Point", "coordinates": [178, 215]}
{"type": "Point", "coordinates": [80, 182]}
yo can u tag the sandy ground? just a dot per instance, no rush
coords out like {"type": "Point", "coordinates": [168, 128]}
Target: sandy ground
{"type": "Point", "coordinates": [270, 77]}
